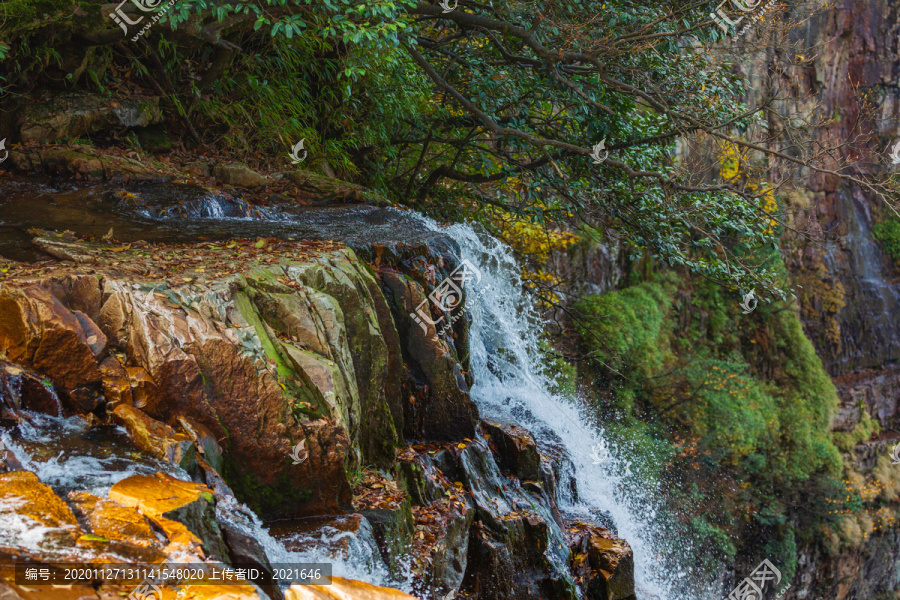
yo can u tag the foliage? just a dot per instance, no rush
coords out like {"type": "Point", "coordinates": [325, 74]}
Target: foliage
{"type": "Point", "coordinates": [743, 401]}
{"type": "Point", "coordinates": [887, 233]}
{"type": "Point", "coordinates": [453, 111]}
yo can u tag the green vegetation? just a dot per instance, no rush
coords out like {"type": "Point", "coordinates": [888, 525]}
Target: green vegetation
{"type": "Point", "coordinates": [489, 113]}
{"type": "Point", "coordinates": [887, 233]}
{"type": "Point", "coordinates": [741, 401]}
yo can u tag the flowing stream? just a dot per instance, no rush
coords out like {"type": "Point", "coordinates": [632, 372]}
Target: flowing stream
{"type": "Point", "coordinates": [511, 383]}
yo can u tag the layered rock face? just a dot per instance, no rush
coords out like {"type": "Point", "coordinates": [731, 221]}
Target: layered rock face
{"type": "Point", "coordinates": [849, 297]}
{"type": "Point", "coordinates": [296, 378]}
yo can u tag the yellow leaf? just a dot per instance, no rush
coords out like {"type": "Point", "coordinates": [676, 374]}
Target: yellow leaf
{"type": "Point", "coordinates": [461, 446]}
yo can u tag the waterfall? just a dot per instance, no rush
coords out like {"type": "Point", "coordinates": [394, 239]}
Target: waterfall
{"type": "Point", "coordinates": [511, 383]}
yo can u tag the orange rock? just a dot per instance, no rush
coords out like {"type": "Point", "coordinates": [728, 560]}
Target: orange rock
{"type": "Point", "coordinates": [23, 494]}
{"type": "Point", "coordinates": [116, 386]}
{"type": "Point", "coordinates": [36, 330]}
{"type": "Point", "coordinates": [345, 589]}
{"type": "Point", "coordinates": [144, 391]}
{"type": "Point", "coordinates": [155, 437]}
{"type": "Point", "coordinates": [113, 521]}
{"type": "Point", "coordinates": [184, 510]}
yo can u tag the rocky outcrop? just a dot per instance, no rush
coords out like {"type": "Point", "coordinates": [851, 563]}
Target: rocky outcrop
{"type": "Point", "coordinates": [223, 359]}
{"type": "Point", "coordinates": [184, 511]}
{"type": "Point", "coordinates": [341, 588]}
{"type": "Point", "coordinates": [75, 115]}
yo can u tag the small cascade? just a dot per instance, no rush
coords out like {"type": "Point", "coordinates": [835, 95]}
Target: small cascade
{"type": "Point", "coordinates": [511, 383]}
{"type": "Point", "coordinates": [21, 389]}
{"type": "Point", "coordinates": [69, 455]}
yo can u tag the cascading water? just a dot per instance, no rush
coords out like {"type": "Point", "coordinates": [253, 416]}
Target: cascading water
{"type": "Point", "coordinates": [511, 383]}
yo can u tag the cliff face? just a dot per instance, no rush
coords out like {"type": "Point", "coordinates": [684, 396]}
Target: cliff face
{"type": "Point", "coordinates": [845, 68]}
{"type": "Point", "coordinates": [850, 293]}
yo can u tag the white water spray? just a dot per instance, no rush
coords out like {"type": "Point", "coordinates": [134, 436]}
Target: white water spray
{"type": "Point", "coordinates": [511, 383]}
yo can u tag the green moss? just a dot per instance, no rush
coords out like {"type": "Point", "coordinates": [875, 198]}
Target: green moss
{"type": "Point", "coordinates": [864, 430]}
{"type": "Point", "coordinates": [735, 409]}
{"type": "Point", "coordinates": [625, 328]}
{"type": "Point", "coordinates": [887, 233]}
{"type": "Point", "coordinates": [266, 499]}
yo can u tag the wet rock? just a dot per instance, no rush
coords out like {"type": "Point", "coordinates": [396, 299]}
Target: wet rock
{"type": "Point", "coordinates": [362, 313]}
{"type": "Point", "coordinates": [79, 162]}
{"type": "Point", "coordinates": [207, 364]}
{"type": "Point", "coordinates": [185, 511]}
{"type": "Point", "coordinates": [517, 549]}
{"type": "Point", "coordinates": [36, 330]}
{"type": "Point", "coordinates": [603, 563]}
{"type": "Point", "coordinates": [443, 410]}
{"type": "Point", "coordinates": [154, 139]}
{"type": "Point", "coordinates": [443, 515]}
{"type": "Point", "coordinates": [157, 438]}
{"type": "Point", "coordinates": [73, 115]}
{"type": "Point", "coordinates": [239, 176]}
{"type": "Point", "coordinates": [78, 293]}
{"type": "Point", "coordinates": [66, 251]}
{"type": "Point", "coordinates": [247, 552]}
{"type": "Point", "coordinates": [516, 448]}
{"type": "Point", "coordinates": [145, 394]}
{"type": "Point", "coordinates": [112, 521]}
{"type": "Point", "coordinates": [393, 531]}
{"type": "Point", "coordinates": [116, 385]}
{"type": "Point", "coordinates": [34, 518]}
{"type": "Point", "coordinates": [204, 440]}
{"type": "Point", "coordinates": [8, 460]}
{"type": "Point", "coordinates": [345, 589]}
{"type": "Point", "coordinates": [24, 390]}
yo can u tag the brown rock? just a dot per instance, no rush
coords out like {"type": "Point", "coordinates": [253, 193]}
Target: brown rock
{"type": "Point", "coordinates": [112, 521]}
{"type": "Point", "coordinates": [239, 176]}
{"type": "Point", "coordinates": [145, 394]}
{"type": "Point", "coordinates": [184, 510]}
{"type": "Point", "coordinates": [344, 589]}
{"type": "Point", "coordinates": [24, 390]}
{"type": "Point", "coordinates": [36, 330]}
{"type": "Point", "coordinates": [608, 572]}
{"type": "Point", "coordinates": [78, 292]}
{"type": "Point", "coordinates": [23, 495]}
{"type": "Point", "coordinates": [116, 385]}
{"type": "Point", "coordinates": [445, 412]}
{"type": "Point", "coordinates": [156, 438]}
{"type": "Point", "coordinates": [517, 450]}
{"type": "Point", "coordinates": [8, 460]}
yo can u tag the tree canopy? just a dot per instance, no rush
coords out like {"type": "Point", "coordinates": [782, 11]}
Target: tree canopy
{"type": "Point", "coordinates": [630, 116]}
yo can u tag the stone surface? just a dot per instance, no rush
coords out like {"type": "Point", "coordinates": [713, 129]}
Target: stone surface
{"type": "Point", "coordinates": [21, 389]}
{"type": "Point", "coordinates": [344, 589]}
{"type": "Point", "coordinates": [157, 438]}
{"type": "Point", "coordinates": [322, 189]}
{"type": "Point", "coordinates": [82, 162]}
{"type": "Point", "coordinates": [116, 385]}
{"type": "Point", "coordinates": [73, 115]}
{"type": "Point", "coordinates": [34, 519]}
{"type": "Point", "coordinates": [239, 176]}
{"type": "Point", "coordinates": [609, 571]}
{"type": "Point", "coordinates": [185, 511]}
{"type": "Point", "coordinates": [37, 331]}
{"type": "Point", "coordinates": [517, 451]}
{"type": "Point", "coordinates": [443, 409]}
{"type": "Point", "coordinates": [112, 520]}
